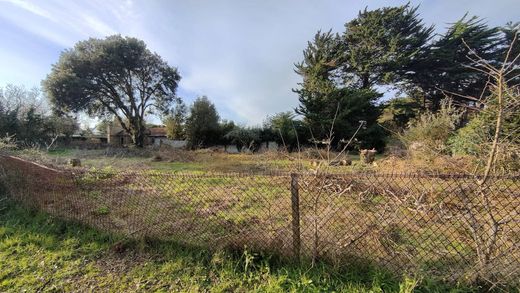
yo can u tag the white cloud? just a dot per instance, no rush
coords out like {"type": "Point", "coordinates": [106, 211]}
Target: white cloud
{"type": "Point", "coordinates": [31, 8]}
{"type": "Point", "coordinates": [238, 53]}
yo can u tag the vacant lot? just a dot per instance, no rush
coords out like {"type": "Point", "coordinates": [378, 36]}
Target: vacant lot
{"type": "Point", "coordinates": [199, 161]}
{"type": "Point", "coordinates": [410, 225]}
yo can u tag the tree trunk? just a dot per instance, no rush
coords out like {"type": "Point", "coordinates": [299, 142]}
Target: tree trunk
{"type": "Point", "coordinates": [138, 135]}
{"type": "Point", "coordinates": [365, 81]}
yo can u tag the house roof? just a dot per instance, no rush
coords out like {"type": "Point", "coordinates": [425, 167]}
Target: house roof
{"type": "Point", "coordinates": [157, 131]}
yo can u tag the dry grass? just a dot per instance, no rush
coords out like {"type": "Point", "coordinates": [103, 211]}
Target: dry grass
{"type": "Point", "coordinates": [403, 223]}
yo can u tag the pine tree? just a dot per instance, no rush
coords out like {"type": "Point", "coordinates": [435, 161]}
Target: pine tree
{"type": "Point", "coordinates": [380, 45]}
{"type": "Point", "coordinates": [443, 69]}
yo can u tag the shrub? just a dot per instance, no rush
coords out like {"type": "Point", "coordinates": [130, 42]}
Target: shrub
{"type": "Point", "coordinates": [244, 137]}
{"type": "Point", "coordinates": [428, 134]}
{"type": "Point", "coordinates": [476, 137]}
{"type": "Point", "coordinates": [7, 143]}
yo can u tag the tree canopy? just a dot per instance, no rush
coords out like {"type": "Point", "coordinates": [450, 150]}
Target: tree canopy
{"type": "Point", "coordinates": [379, 45]}
{"type": "Point", "coordinates": [116, 75]}
{"type": "Point", "coordinates": [392, 47]}
{"type": "Point", "coordinates": [202, 124]}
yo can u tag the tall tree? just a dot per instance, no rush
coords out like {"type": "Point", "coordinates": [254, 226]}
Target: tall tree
{"type": "Point", "coordinates": [319, 66]}
{"type": "Point", "coordinates": [380, 44]}
{"type": "Point", "coordinates": [202, 127]}
{"type": "Point", "coordinates": [443, 69]}
{"type": "Point", "coordinates": [318, 71]}
{"type": "Point", "coordinates": [341, 72]}
{"type": "Point", "coordinates": [116, 75]}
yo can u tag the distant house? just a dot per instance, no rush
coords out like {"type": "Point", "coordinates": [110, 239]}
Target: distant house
{"type": "Point", "coordinates": [80, 140]}
{"type": "Point", "coordinates": [116, 136]}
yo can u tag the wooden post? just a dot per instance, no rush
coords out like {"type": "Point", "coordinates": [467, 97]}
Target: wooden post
{"type": "Point", "coordinates": [295, 203]}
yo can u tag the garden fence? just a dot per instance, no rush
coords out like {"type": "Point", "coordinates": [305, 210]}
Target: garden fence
{"type": "Point", "coordinates": [452, 227]}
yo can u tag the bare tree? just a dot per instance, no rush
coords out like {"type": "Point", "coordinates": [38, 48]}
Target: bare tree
{"type": "Point", "coordinates": [486, 222]}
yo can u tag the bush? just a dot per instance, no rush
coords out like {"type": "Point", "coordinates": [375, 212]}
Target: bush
{"type": "Point", "coordinates": [475, 139]}
{"type": "Point", "coordinates": [428, 135]}
{"type": "Point", "coordinates": [244, 138]}
{"type": "Point", "coordinates": [7, 143]}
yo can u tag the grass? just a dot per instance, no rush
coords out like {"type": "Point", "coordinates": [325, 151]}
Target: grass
{"type": "Point", "coordinates": [180, 161]}
{"type": "Point", "coordinates": [212, 205]}
{"type": "Point", "coordinates": [39, 252]}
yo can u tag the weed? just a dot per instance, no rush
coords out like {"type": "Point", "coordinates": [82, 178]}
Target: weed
{"type": "Point", "coordinates": [63, 256]}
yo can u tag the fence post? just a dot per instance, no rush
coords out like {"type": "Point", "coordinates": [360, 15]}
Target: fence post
{"type": "Point", "coordinates": [295, 203]}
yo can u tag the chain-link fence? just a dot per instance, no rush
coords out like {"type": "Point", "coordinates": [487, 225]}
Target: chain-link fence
{"type": "Point", "coordinates": [453, 227]}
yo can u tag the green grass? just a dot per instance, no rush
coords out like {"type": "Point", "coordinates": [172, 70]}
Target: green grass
{"type": "Point", "coordinates": [60, 152]}
{"type": "Point", "coordinates": [38, 252]}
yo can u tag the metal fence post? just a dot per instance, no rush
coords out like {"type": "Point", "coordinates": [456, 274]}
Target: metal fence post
{"type": "Point", "coordinates": [295, 203]}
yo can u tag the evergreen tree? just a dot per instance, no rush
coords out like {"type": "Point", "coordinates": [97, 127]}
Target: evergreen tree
{"type": "Point", "coordinates": [443, 69]}
{"type": "Point", "coordinates": [202, 127]}
{"type": "Point", "coordinates": [380, 44]}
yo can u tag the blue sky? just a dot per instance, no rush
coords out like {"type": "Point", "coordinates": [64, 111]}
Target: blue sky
{"type": "Point", "coordinates": [239, 53]}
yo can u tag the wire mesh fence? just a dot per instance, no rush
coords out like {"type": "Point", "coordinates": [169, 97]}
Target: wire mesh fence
{"type": "Point", "coordinates": [453, 227]}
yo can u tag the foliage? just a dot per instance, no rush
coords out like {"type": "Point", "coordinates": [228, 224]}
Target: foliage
{"type": "Point", "coordinates": [242, 137]}
{"type": "Point", "coordinates": [474, 139]}
{"type": "Point", "coordinates": [285, 129]}
{"type": "Point", "coordinates": [318, 66]}
{"type": "Point", "coordinates": [63, 125]}
{"type": "Point", "coordinates": [202, 124]}
{"type": "Point", "coordinates": [376, 48]}
{"type": "Point", "coordinates": [398, 112]}
{"type": "Point", "coordinates": [23, 117]}
{"type": "Point", "coordinates": [175, 121]}
{"type": "Point", "coordinates": [9, 121]}
{"type": "Point", "coordinates": [428, 134]}
{"type": "Point", "coordinates": [226, 126]}
{"type": "Point", "coordinates": [443, 68]}
{"type": "Point", "coordinates": [117, 76]}
{"type": "Point", "coordinates": [379, 45]}
{"type": "Point", "coordinates": [343, 110]}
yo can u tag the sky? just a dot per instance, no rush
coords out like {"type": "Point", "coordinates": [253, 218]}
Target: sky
{"type": "Point", "coordinates": [239, 53]}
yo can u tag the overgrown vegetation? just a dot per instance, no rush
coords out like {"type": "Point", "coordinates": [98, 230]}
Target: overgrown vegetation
{"type": "Point", "coordinates": [43, 253]}
{"type": "Point", "coordinates": [26, 121]}
{"type": "Point", "coordinates": [428, 134]}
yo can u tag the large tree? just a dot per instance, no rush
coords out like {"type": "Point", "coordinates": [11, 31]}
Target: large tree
{"type": "Point", "coordinates": [443, 69]}
{"type": "Point", "coordinates": [116, 75]}
{"type": "Point", "coordinates": [342, 72]}
{"type": "Point", "coordinates": [379, 45]}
